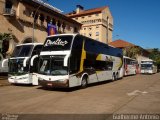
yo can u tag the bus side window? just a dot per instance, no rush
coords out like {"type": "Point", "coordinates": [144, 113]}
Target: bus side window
{"type": "Point", "coordinates": [89, 64]}
{"type": "Point", "coordinates": [76, 54]}
{"type": "Point", "coordinates": [100, 65]}
{"type": "Point", "coordinates": [34, 68]}
{"type": "Point", "coordinates": [109, 65]}
{"type": "Point", "coordinates": [37, 50]}
{"type": "Point", "coordinates": [77, 44]}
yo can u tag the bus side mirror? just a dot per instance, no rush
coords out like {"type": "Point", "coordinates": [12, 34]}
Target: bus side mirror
{"type": "Point", "coordinates": [32, 59]}
{"type": "Point", "coordinates": [3, 62]}
{"type": "Point", "coordinates": [66, 60]}
{"type": "Point", "coordinates": [25, 61]}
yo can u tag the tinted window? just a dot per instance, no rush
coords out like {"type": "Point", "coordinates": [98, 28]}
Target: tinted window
{"type": "Point", "coordinates": [78, 42]}
{"type": "Point", "coordinates": [93, 46]}
{"type": "Point", "coordinates": [22, 51]}
{"type": "Point", "coordinates": [37, 50]}
{"type": "Point", "coordinates": [75, 58]}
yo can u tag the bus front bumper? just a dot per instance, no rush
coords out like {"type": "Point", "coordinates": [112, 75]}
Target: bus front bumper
{"type": "Point", "coordinates": [146, 72]}
{"type": "Point", "coordinates": [20, 79]}
{"type": "Point", "coordinates": [54, 84]}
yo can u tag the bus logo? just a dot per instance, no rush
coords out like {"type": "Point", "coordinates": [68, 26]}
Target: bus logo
{"type": "Point", "coordinates": [57, 42]}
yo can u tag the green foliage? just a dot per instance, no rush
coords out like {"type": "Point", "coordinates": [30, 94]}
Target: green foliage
{"type": "Point", "coordinates": [132, 51]}
{"type": "Point", "coordinates": [155, 55]}
{"type": "Point", "coordinates": [4, 37]}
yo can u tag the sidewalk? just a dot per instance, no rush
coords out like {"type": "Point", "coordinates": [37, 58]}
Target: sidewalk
{"type": "Point", "coordinates": [4, 81]}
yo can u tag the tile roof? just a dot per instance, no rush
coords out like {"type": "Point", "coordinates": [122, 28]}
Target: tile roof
{"type": "Point", "coordinates": [87, 12]}
{"type": "Point", "coordinates": [121, 44]}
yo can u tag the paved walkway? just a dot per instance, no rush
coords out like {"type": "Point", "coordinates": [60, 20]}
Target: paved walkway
{"type": "Point", "coordinates": [4, 81]}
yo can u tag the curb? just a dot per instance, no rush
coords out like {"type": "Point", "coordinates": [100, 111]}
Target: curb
{"type": "Point", "coordinates": [2, 85]}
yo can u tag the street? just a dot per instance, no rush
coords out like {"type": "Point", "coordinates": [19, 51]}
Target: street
{"type": "Point", "coordinates": [132, 94]}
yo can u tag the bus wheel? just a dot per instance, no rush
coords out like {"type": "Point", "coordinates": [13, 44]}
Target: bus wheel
{"type": "Point", "coordinates": [84, 82]}
{"type": "Point", "coordinates": [114, 77]}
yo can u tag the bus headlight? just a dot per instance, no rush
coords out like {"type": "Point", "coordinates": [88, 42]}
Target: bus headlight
{"type": "Point", "coordinates": [40, 78]}
{"type": "Point", "coordinates": [23, 78]}
{"type": "Point", "coordinates": [62, 81]}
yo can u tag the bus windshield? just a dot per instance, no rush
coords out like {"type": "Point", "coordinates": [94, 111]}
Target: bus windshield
{"type": "Point", "coordinates": [22, 51]}
{"type": "Point", "coordinates": [144, 66]}
{"type": "Point", "coordinates": [52, 66]}
{"type": "Point", "coordinates": [16, 67]}
{"type": "Point", "coordinates": [57, 43]}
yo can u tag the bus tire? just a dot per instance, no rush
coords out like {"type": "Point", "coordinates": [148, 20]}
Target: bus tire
{"type": "Point", "coordinates": [84, 82]}
{"type": "Point", "coordinates": [114, 77]}
{"type": "Point", "coordinates": [117, 76]}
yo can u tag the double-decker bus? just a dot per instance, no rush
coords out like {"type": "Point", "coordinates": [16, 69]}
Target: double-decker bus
{"type": "Point", "coordinates": [148, 66]}
{"type": "Point", "coordinates": [130, 66]}
{"type": "Point", "coordinates": [70, 60]}
{"type": "Point", "coordinates": [20, 70]}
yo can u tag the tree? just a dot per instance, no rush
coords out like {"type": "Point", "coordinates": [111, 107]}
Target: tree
{"type": "Point", "coordinates": [132, 51]}
{"type": "Point", "coordinates": [155, 55]}
{"type": "Point", "coordinates": [4, 38]}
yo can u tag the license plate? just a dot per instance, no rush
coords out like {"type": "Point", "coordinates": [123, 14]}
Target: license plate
{"type": "Point", "coordinates": [49, 84]}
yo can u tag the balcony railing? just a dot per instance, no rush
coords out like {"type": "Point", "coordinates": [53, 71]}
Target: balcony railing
{"type": "Point", "coordinates": [9, 12]}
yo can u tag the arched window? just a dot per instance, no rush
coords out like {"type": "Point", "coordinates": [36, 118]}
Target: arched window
{"type": "Point", "coordinates": [59, 25]}
{"type": "Point", "coordinates": [41, 18]}
{"type": "Point", "coordinates": [35, 16]}
{"type": "Point", "coordinates": [63, 26]}
{"type": "Point", "coordinates": [75, 30]}
{"type": "Point", "coordinates": [53, 21]}
{"type": "Point", "coordinates": [8, 4]}
{"type": "Point", "coordinates": [48, 19]}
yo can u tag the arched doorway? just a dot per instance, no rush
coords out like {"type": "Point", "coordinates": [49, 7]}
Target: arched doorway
{"type": "Point", "coordinates": [28, 40]}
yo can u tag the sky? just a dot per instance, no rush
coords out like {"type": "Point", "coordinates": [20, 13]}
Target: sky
{"type": "Point", "coordinates": [135, 21]}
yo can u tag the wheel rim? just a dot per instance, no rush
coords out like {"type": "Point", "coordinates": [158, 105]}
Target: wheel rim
{"type": "Point", "coordinates": [113, 77]}
{"type": "Point", "coordinates": [84, 82]}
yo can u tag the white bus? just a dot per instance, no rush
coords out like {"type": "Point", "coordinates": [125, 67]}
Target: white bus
{"type": "Point", "coordinates": [130, 66]}
{"type": "Point", "coordinates": [3, 70]}
{"type": "Point", "coordinates": [70, 60]}
{"type": "Point", "coordinates": [20, 70]}
{"type": "Point", "coordinates": [148, 66]}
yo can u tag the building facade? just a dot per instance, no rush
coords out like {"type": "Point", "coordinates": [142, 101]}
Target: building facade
{"type": "Point", "coordinates": [125, 46]}
{"type": "Point", "coordinates": [19, 17]}
{"type": "Point", "coordinates": [96, 23]}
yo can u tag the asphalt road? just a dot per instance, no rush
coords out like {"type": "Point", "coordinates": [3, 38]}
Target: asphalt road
{"type": "Point", "coordinates": [132, 94]}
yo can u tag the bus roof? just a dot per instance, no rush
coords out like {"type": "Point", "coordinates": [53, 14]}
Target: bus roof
{"type": "Point", "coordinates": [73, 34]}
{"type": "Point", "coordinates": [147, 60]}
{"type": "Point", "coordinates": [128, 58]}
{"type": "Point", "coordinates": [30, 44]}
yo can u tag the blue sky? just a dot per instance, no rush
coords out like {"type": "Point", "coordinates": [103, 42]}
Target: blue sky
{"type": "Point", "coordinates": [136, 21]}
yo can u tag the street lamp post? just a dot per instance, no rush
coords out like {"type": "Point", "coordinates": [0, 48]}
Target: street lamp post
{"type": "Point", "coordinates": [34, 20]}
